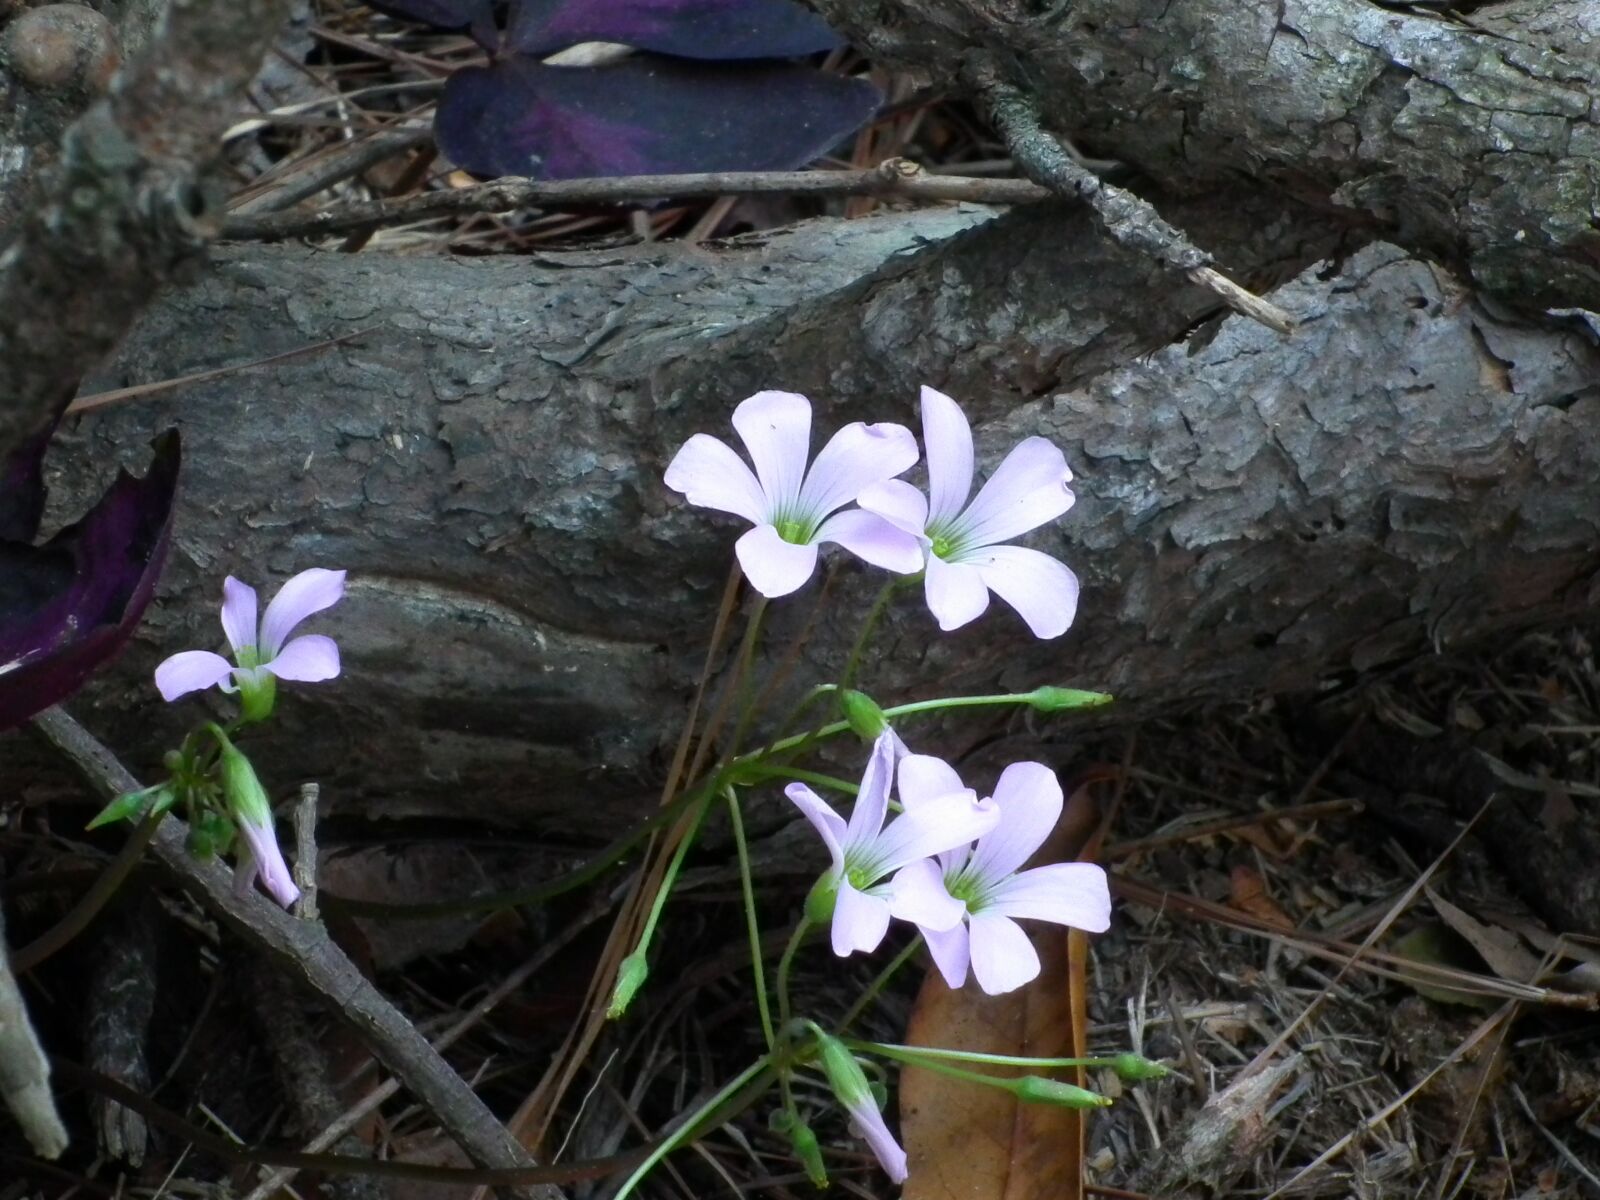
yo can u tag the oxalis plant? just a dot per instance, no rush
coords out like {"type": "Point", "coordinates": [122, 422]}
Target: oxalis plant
{"type": "Point", "coordinates": [918, 844]}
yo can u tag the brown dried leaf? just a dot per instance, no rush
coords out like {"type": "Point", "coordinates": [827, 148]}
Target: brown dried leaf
{"type": "Point", "coordinates": [1248, 893]}
{"type": "Point", "coordinates": [1500, 948]}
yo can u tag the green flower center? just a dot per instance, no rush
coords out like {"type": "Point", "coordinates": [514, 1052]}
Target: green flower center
{"type": "Point", "coordinates": [944, 546]}
{"type": "Point", "coordinates": [947, 541]}
{"type": "Point", "coordinates": [794, 531]}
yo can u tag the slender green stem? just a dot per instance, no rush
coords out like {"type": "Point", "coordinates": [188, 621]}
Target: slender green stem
{"type": "Point", "coordinates": [91, 902]}
{"type": "Point", "coordinates": [874, 615]}
{"type": "Point", "coordinates": [832, 782]}
{"type": "Point", "coordinates": [878, 984]}
{"type": "Point", "coordinates": [669, 878]}
{"type": "Point", "coordinates": [915, 1054]}
{"type": "Point", "coordinates": [748, 885]}
{"type": "Point", "coordinates": [799, 710]}
{"type": "Point", "coordinates": [942, 1068]}
{"type": "Point", "coordinates": [694, 1126]}
{"type": "Point", "coordinates": [784, 963]}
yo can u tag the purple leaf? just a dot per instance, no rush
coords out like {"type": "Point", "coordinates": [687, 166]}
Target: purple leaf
{"type": "Point", "coordinates": [69, 605]}
{"type": "Point", "coordinates": [475, 16]}
{"type": "Point", "coordinates": [645, 115]}
{"type": "Point", "coordinates": [712, 29]}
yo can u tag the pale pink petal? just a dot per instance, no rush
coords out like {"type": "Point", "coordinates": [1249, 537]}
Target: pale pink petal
{"type": "Point", "coordinates": [823, 819]}
{"type": "Point", "coordinates": [872, 797]}
{"type": "Point", "coordinates": [939, 824]}
{"type": "Point", "coordinates": [259, 855]}
{"type": "Point", "coordinates": [1029, 796]}
{"type": "Point", "coordinates": [710, 475]}
{"type": "Point", "coordinates": [307, 659]}
{"type": "Point", "coordinates": [1027, 489]}
{"type": "Point", "coordinates": [1074, 894]}
{"type": "Point", "coordinates": [1042, 590]}
{"type": "Point", "coordinates": [948, 439]}
{"type": "Point", "coordinates": [1003, 959]}
{"type": "Point", "coordinates": [860, 919]}
{"type": "Point", "coordinates": [923, 777]}
{"type": "Point", "coordinates": [191, 671]}
{"type": "Point", "coordinates": [871, 538]}
{"type": "Point", "coordinates": [917, 894]}
{"type": "Point", "coordinates": [956, 593]}
{"type": "Point", "coordinates": [776, 429]}
{"type": "Point", "coordinates": [867, 1122]}
{"type": "Point", "coordinates": [951, 952]}
{"type": "Point", "coordinates": [898, 503]}
{"type": "Point", "coordinates": [306, 593]}
{"type": "Point", "coordinates": [856, 456]}
{"type": "Point", "coordinates": [238, 614]}
{"type": "Point", "coordinates": [773, 566]}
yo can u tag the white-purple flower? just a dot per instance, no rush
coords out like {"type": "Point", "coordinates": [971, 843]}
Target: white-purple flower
{"type": "Point", "coordinates": [866, 853]}
{"type": "Point", "coordinates": [260, 654]}
{"type": "Point", "coordinates": [850, 1087]}
{"type": "Point", "coordinates": [989, 884]}
{"type": "Point", "coordinates": [962, 542]}
{"type": "Point", "coordinates": [795, 509]}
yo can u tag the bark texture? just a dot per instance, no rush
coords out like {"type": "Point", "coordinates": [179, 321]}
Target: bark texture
{"type": "Point", "coordinates": [528, 603]}
{"type": "Point", "coordinates": [1474, 141]}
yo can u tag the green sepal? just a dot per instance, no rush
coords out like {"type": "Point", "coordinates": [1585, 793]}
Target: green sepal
{"type": "Point", "coordinates": [1059, 699]}
{"type": "Point", "coordinates": [1036, 1089]}
{"type": "Point", "coordinates": [1135, 1068]}
{"type": "Point", "coordinates": [150, 801]}
{"type": "Point", "coordinates": [630, 978]}
{"type": "Point", "coordinates": [865, 718]}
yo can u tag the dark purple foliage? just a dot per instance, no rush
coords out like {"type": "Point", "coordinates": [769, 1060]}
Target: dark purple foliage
{"type": "Point", "coordinates": [707, 29]}
{"type": "Point", "coordinates": [69, 605]}
{"type": "Point", "coordinates": [645, 115]}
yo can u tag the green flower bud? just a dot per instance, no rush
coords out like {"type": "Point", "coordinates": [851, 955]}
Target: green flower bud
{"type": "Point", "coordinates": [822, 897]}
{"type": "Point", "coordinates": [1136, 1068]}
{"type": "Point", "coordinates": [845, 1076]}
{"type": "Point", "coordinates": [129, 805]}
{"type": "Point", "coordinates": [210, 834]}
{"type": "Point", "coordinates": [862, 712]}
{"type": "Point", "coordinates": [630, 978]}
{"type": "Point", "coordinates": [808, 1151]}
{"type": "Point", "coordinates": [1057, 699]}
{"type": "Point", "coordinates": [247, 799]}
{"type": "Point", "coordinates": [1036, 1089]}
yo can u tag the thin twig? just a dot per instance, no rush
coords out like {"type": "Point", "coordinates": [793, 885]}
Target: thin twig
{"type": "Point", "coordinates": [334, 168]}
{"type": "Point", "coordinates": [896, 177]}
{"type": "Point", "coordinates": [1131, 222]}
{"type": "Point", "coordinates": [305, 948]}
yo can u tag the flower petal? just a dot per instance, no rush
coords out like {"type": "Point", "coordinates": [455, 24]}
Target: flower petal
{"type": "Point", "coordinates": [308, 659]}
{"type": "Point", "coordinates": [1027, 489]}
{"type": "Point", "coordinates": [191, 671]}
{"type": "Point", "coordinates": [238, 614]}
{"type": "Point", "coordinates": [924, 777]}
{"type": "Point", "coordinates": [871, 538]}
{"type": "Point", "coordinates": [860, 919]}
{"type": "Point", "coordinates": [939, 824]}
{"type": "Point", "coordinates": [776, 429]}
{"type": "Point", "coordinates": [710, 475]}
{"type": "Point", "coordinates": [260, 847]}
{"type": "Point", "coordinates": [855, 457]}
{"type": "Point", "coordinates": [773, 566]}
{"type": "Point", "coordinates": [948, 439]}
{"type": "Point", "coordinates": [872, 797]}
{"type": "Point", "coordinates": [823, 819]}
{"type": "Point", "coordinates": [951, 952]}
{"type": "Point", "coordinates": [1003, 959]}
{"type": "Point", "coordinates": [306, 593]}
{"type": "Point", "coordinates": [867, 1121]}
{"type": "Point", "coordinates": [956, 593]}
{"type": "Point", "coordinates": [1029, 796]}
{"type": "Point", "coordinates": [1043, 590]}
{"type": "Point", "coordinates": [1073, 894]}
{"type": "Point", "coordinates": [917, 894]}
{"type": "Point", "coordinates": [898, 503]}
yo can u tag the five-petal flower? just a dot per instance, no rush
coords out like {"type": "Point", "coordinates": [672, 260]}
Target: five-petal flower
{"type": "Point", "coordinates": [795, 509]}
{"type": "Point", "coordinates": [268, 651]}
{"type": "Point", "coordinates": [962, 541]}
{"type": "Point", "coordinates": [991, 887]}
{"type": "Point", "coordinates": [866, 853]}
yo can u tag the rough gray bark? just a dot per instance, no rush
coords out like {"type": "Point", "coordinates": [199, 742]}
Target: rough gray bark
{"type": "Point", "coordinates": [1470, 140]}
{"type": "Point", "coordinates": [528, 603]}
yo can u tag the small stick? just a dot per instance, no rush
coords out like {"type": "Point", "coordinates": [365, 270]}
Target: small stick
{"type": "Point", "coordinates": [24, 1073]}
{"type": "Point", "coordinates": [305, 851]}
{"type": "Point", "coordinates": [305, 949]}
{"type": "Point", "coordinates": [895, 177]}
{"type": "Point", "coordinates": [1130, 221]}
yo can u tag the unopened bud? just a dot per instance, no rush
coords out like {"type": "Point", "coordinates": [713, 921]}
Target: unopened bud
{"type": "Point", "coordinates": [1058, 699]}
{"type": "Point", "coordinates": [1135, 1068]}
{"type": "Point", "coordinates": [1036, 1089]}
{"type": "Point", "coordinates": [630, 978]}
{"type": "Point", "coordinates": [862, 712]}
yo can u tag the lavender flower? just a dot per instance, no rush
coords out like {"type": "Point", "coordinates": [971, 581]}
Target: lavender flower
{"type": "Point", "coordinates": [962, 542]}
{"type": "Point", "coordinates": [794, 509]}
{"type": "Point", "coordinates": [866, 853]}
{"type": "Point", "coordinates": [988, 881]}
{"type": "Point", "coordinates": [261, 656]}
